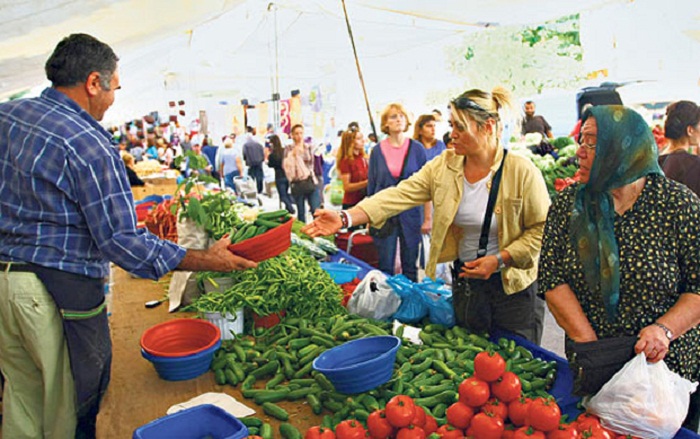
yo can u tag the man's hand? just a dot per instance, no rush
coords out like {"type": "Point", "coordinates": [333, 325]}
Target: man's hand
{"type": "Point", "coordinates": [215, 258]}
{"type": "Point", "coordinates": [326, 222]}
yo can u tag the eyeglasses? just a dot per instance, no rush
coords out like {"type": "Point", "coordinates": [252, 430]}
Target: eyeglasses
{"type": "Point", "coordinates": [588, 146]}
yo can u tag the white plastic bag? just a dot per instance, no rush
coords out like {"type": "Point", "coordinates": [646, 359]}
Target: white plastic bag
{"type": "Point", "coordinates": [374, 298]}
{"type": "Point", "coordinates": [644, 400]}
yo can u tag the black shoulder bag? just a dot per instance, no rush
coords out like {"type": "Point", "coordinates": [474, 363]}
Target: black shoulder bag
{"type": "Point", "coordinates": [471, 307]}
{"type": "Point", "coordinates": [390, 225]}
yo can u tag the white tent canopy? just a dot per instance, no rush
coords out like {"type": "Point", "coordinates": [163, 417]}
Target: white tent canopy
{"type": "Point", "coordinates": [220, 51]}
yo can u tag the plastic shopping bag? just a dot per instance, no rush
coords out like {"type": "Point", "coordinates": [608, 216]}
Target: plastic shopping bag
{"type": "Point", "coordinates": [412, 308]}
{"type": "Point", "coordinates": [373, 297]}
{"type": "Point", "coordinates": [644, 400]}
{"type": "Point", "coordinates": [438, 298]}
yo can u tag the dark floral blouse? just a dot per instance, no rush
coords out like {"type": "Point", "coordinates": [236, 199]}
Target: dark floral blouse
{"type": "Point", "coordinates": [659, 246]}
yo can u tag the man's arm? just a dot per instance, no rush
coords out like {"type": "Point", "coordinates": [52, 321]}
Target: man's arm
{"type": "Point", "coordinates": [215, 258]}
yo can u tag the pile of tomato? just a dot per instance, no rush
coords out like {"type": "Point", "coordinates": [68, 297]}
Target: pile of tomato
{"type": "Point", "coordinates": [490, 406]}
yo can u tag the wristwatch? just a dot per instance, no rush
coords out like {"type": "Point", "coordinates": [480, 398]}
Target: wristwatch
{"type": "Point", "coordinates": [668, 332]}
{"type": "Point", "coordinates": [501, 264]}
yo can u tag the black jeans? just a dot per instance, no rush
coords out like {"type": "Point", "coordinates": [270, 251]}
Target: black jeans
{"type": "Point", "coordinates": [489, 307]}
{"type": "Point", "coordinates": [256, 173]}
{"type": "Point", "coordinates": [282, 185]}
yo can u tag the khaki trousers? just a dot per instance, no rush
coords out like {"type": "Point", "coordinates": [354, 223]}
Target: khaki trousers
{"type": "Point", "coordinates": [39, 394]}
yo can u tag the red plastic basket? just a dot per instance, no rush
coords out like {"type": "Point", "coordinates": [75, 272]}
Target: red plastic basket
{"type": "Point", "coordinates": [180, 337]}
{"type": "Point", "coordinates": [265, 246]}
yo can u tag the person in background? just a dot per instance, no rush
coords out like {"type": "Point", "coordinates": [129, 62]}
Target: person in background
{"type": "Point", "coordinates": [134, 179]}
{"type": "Point", "coordinates": [152, 150]}
{"type": "Point", "coordinates": [137, 152]}
{"type": "Point", "coordinates": [621, 254]}
{"type": "Point", "coordinates": [682, 128]}
{"type": "Point", "coordinates": [254, 156]}
{"type": "Point", "coordinates": [75, 217]}
{"type": "Point", "coordinates": [503, 280]}
{"type": "Point", "coordinates": [186, 144]}
{"type": "Point", "coordinates": [371, 142]}
{"type": "Point", "coordinates": [231, 163]}
{"type": "Point", "coordinates": [298, 166]}
{"type": "Point", "coordinates": [535, 123]}
{"type": "Point", "coordinates": [395, 159]}
{"type": "Point", "coordinates": [275, 161]}
{"type": "Point", "coordinates": [424, 132]}
{"type": "Point", "coordinates": [351, 163]}
{"type": "Point", "coordinates": [447, 140]}
{"type": "Point", "coordinates": [209, 150]}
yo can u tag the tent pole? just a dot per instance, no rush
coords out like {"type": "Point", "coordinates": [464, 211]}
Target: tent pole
{"type": "Point", "coordinates": [359, 70]}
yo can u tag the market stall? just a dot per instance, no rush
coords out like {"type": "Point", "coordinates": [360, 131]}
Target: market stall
{"type": "Point", "coordinates": [270, 369]}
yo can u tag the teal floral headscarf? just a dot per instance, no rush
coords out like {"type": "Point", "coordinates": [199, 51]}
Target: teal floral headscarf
{"type": "Point", "coordinates": [625, 151]}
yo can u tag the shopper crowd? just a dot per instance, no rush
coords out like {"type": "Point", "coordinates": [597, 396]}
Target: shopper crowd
{"type": "Point", "coordinates": [614, 255]}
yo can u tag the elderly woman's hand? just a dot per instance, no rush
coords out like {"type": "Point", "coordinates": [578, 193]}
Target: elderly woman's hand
{"type": "Point", "coordinates": [653, 342]}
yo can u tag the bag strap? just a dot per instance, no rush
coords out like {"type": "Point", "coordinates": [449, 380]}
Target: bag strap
{"type": "Point", "coordinates": [493, 194]}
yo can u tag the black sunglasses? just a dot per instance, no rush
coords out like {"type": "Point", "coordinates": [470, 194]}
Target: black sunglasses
{"type": "Point", "coordinates": [464, 103]}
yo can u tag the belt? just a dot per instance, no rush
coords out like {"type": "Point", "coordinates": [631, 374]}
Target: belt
{"type": "Point", "coordinates": [17, 267]}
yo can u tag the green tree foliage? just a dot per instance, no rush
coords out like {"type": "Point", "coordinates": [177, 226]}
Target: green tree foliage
{"type": "Point", "coordinates": [527, 59]}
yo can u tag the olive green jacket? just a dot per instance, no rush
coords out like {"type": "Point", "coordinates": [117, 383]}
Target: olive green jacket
{"type": "Point", "coordinates": [521, 210]}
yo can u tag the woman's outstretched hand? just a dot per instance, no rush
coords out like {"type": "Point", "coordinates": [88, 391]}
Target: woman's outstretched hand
{"type": "Point", "coordinates": [326, 222]}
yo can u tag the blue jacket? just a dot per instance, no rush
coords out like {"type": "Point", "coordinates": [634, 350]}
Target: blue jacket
{"type": "Point", "coordinates": [380, 178]}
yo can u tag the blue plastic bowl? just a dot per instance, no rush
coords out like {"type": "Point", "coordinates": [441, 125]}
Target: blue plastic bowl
{"type": "Point", "coordinates": [182, 368]}
{"type": "Point", "coordinates": [359, 365]}
{"type": "Point", "coordinates": [200, 421]}
{"type": "Point", "coordinates": [341, 273]}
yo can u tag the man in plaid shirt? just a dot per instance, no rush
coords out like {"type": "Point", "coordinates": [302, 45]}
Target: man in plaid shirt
{"type": "Point", "coordinates": [66, 210]}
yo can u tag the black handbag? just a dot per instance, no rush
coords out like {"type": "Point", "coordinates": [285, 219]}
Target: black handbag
{"type": "Point", "coordinates": [594, 363]}
{"type": "Point", "coordinates": [303, 187]}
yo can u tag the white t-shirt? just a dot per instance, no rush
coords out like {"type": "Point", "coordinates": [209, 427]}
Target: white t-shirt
{"type": "Point", "coordinates": [470, 217]}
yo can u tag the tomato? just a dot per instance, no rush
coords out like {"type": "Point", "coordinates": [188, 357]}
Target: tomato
{"type": "Point", "coordinates": [517, 411]}
{"type": "Point", "coordinates": [459, 415]}
{"type": "Point", "coordinates": [496, 408]}
{"type": "Point", "coordinates": [508, 432]}
{"type": "Point", "coordinates": [253, 436]}
{"type": "Point", "coordinates": [350, 429]}
{"type": "Point", "coordinates": [449, 432]}
{"type": "Point", "coordinates": [430, 426]}
{"type": "Point", "coordinates": [585, 421]}
{"type": "Point", "coordinates": [507, 388]}
{"type": "Point", "coordinates": [411, 432]}
{"type": "Point", "coordinates": [487, 427]}
{"type": "Point", "coordinates": [564, 431]}
{"type": "Point", "coordinates": [474, 392]}
{"type": "Point", "coordinates": [317, 432]}
{"type": "Point", "coordinates": [419, 419]}
{"type": "Point", "coordinates": [489, 366]}
{"type": "Point", "coordinates": [528, 433]}
{"type": "Point", "coordinates": [597, 433]}
{"type": "Point", "coordinates": [400, 411]}
{"type": "Point", "coordinates": [379, 426]}
{"type": "Point", "coordinates": [543, 414]}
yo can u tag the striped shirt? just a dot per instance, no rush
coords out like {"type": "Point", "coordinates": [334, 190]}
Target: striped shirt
{"type": "Point", "coordinates": [65, 199]}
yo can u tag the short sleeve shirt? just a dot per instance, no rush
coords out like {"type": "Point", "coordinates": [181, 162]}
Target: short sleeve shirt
{"type": "Point", "coordinates": [659, 247]}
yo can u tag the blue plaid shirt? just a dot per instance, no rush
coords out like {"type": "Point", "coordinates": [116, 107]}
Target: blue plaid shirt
{"type": "Point", "coordinates": [65, 199]}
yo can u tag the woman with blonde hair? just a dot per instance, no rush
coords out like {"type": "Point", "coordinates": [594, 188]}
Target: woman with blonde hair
{"type": "Point", "coordinates": [490, 210]}
{"type": "Point", "coordinates": [351, 163]}
{"type": "Point", "coordinates": [424, 132]}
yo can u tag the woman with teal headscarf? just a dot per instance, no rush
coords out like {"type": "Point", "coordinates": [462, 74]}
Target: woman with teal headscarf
{"type": "Point", "coordinates": [621, 250]}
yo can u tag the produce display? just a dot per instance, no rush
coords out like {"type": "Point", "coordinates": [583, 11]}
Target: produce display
{"type": "Point", "coordinates": [291, 282]}
{"type": "Point", "coordinates": [448, 372]}
{"type": "Point", "coordinates": [556, 161]}
{"type": "Point", "coordinates": [146, 168]}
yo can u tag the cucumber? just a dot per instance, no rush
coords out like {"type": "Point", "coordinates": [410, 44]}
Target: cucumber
{"type": "Point", "coordinates": [268, 369]}
{"type": "Point", "coordinates": [271, 396]}
{"type": "Point", "coordinates": [288, 431]}
{"type": "Point", "coordinates": [266, 431]}
{"type": "Point", "coordinates": [250, 421]}
{"type": "Point", "coordinates": [275, 411]}
{"type": "Point", "coordinates": [314, 403]}
{"type": "Point", "coordinates": [219, 377]}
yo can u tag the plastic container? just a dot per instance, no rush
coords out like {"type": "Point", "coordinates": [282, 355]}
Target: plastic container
{"type": "Point", "coordinates": [265, 246]}
{"type": "Point", "coordinates": [180, 337]}
{"type": "Point", "coordinates": [229, 325]}
{"type": "Point", "coordinates": [182, 368]}
{"type": "Point", "coordinates": [341, 273]}
{"type": "Point", "coordinates": [195, 422]}
{"type": "Point", "coordinates": [359, 365]}
{"type": "Point", "coordinates": [268, 321]}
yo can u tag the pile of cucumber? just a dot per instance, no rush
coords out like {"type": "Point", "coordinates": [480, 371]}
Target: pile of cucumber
{"type": "Point", "coordinates": [276, 366]}
{"type": "Point", "coordinates": [264, 222]}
